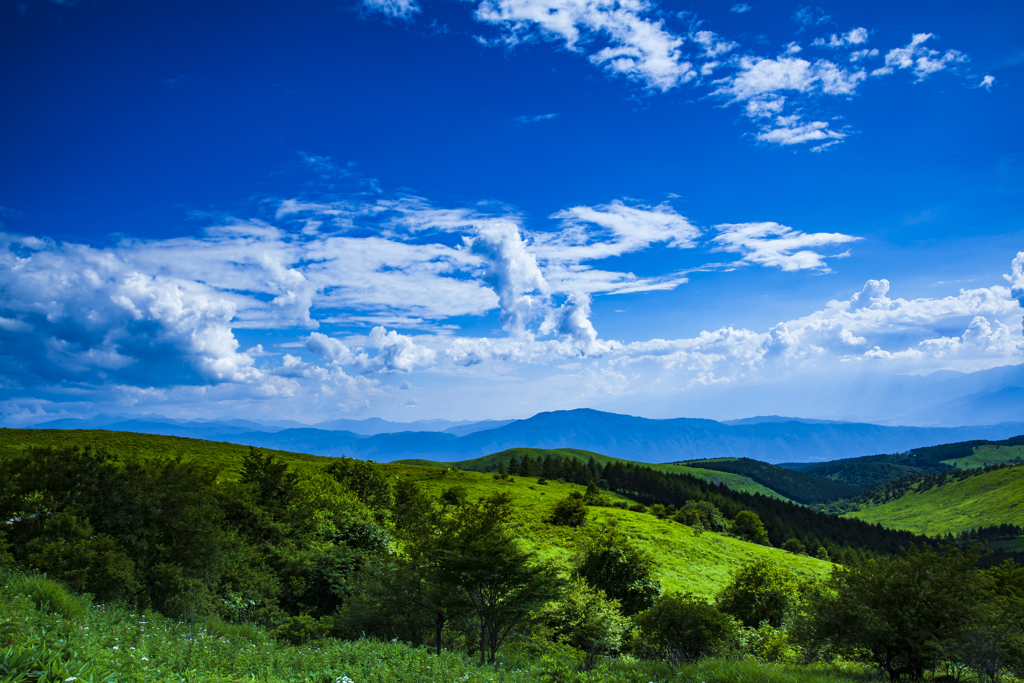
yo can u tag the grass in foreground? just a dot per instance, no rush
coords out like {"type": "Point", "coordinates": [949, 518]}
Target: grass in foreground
{"type": "Point", "coordinates": [114, 643]}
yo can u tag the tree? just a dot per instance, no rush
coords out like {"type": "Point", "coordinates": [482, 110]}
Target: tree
{"type": "Point", "coordinates": [748, 526]}
{"type": "Point", "coordinates": [271, 482]}
{"type": "Point", "coordinates": [367, 482]}
{"type": "Point", "coordinates": [680, 627]}
{"type": "Point", "coordinates": [585, 619]}
{"type": "Point", "coordinates": [902, 613]}
{"type": "Point", "coordinates": [610, 562]}
{"type": "Point", "coordinates": [570, 511]}
{"type": "Point", "coordinates": [480, 561]}
{"type": "Point", "coordinates": [701, 515]}
{"type": "Point", "coordinates": [793, 545]}
{"type": "Point", "coordinates": [760, 592]}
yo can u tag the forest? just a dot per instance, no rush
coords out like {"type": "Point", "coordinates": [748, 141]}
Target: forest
{"type": "Point", "coordinates": [211, 571]}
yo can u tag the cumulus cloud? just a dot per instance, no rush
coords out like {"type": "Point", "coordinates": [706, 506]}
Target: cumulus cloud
{"type": "Point", "coordinates": [771, 244]}
{"type": "Point", "coordinates": [921, 59]}
{"type": "Point", "coordinates": [987, 82]}
{"type": "Point", "coordinates": [856, 36]}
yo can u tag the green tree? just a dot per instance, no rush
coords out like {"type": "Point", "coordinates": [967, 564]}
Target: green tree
{"type": "Point", "coordinates": [701, 515]}
{"type": "Point", "coordinates": [902, 613]}
{"type": "Point", "coordinates": [610, 562]}
{"type": "Point", "coordinates": [585, 619]}
{"type": "Point", "coordinates": [760, 592]}
{"type": "Point", "coordinates": [570, 511]}
{"type": "Point", "coordinates": [368, 483]}
{"type": "Point", "coordinates": [680, 627]}
{"type": "Point", "coordinates": [747, 526]}
{"type": "Point", "coordinates": [480, 560]}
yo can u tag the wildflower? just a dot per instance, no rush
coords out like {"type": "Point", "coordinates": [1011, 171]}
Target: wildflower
{"type": "Point", "coordinates": [115, 647]}
{"type": "Point", "coordinates": [145, 659]}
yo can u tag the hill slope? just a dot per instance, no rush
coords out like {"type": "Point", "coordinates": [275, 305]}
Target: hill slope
{"type": "Point", "coordinates": [797, 486]}
{"type": "Point", "coordinates": [489, 463]}
{"type": "Point", "coordinates": [983, 499]}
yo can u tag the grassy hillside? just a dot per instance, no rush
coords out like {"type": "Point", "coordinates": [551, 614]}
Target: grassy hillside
{"type": "Point", "coordinates": [797, 486]}
{"type": "Point", "coordinates": [701, 564]}
{"type": "Point", "coordinates": [987, 454]}
{"type": "Point", "coordinates": [489, 463]}
{"type": "Point", "coordinates": [984, 499]}
{"type": "Point", "coordinates": [223, 456]}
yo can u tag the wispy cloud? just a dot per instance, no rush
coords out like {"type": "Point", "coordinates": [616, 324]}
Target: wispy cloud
{"type": "Point", "coordinates": [527, 118]}
{"type": "Point", "coordinates": [396, 9]}
{"type": "Point", "coordinates": [740, 8]}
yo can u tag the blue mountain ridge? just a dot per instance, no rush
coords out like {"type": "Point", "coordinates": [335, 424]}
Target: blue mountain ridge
{"type": "Point", "coordinates": [622, 436]}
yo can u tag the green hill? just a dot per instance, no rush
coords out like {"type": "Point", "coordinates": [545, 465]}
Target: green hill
{"type": "Point", "coordinates": [489, 463]}
{"type": "Point", "coordinates": [953, 504]}
{"type": "Point", "coordinates": [798, 486]}
{"type": "Point", "coordinates": [698, 563]}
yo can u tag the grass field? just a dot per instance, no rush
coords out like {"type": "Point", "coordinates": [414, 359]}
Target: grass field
{"type": "Point", "coordinates": [698, 563]}
{"type": "Point", "coordinates": [987, 455]}
{"type": "Point", "coordinates": [489, 463]}
{"type": "Point", "coordinates": [987, 499]}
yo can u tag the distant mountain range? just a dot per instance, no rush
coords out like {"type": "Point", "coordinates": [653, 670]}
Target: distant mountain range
{"type": "Point", "coordinates": [770, 439]}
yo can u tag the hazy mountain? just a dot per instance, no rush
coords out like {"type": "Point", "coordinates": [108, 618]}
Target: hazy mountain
{"type": "Point", "coordinates": [635, 438]}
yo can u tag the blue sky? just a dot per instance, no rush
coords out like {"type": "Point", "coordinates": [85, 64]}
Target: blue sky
{"type": "Point", "coordinates": [483, 209]}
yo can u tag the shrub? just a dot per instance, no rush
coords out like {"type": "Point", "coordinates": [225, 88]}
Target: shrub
{"type": "Point", "coordinates": [748, 527]}
{"type": "Point", "coordinates": [794, 546]}
{"type": "Point", "coordinates": [48, 595]}
{"type": "Point", "coordinates": [701, 515]}
{"type": "Point", "coordinates": [680, 627]}
{"type": "Point", "coordinates": [638, 507]}
{"type": "Point", "coordinates": [587, 620]}
{"type": "Point", "coordinates": [298, 630]}
{"type": "Point", "coordinates": [570, 511]}
{"type": "Point", "coordinates": [610, 562]}
{"type": "Point", "coordinates": [760, 592]}
{"type": "Point", "coordinates": [542, 481]}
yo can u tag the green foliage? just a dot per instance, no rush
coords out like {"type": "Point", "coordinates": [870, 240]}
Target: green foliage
{"type": "Point", "coordinates": [571, 511]}
{"type": "Point", "coordinates": [610, 562]}
{"type": "Point", "coordinates": [769, 644]}
{"type": "Point", "coordinates": [701, 515]}
{"type": "Point", "coordinates": [586, 620]}
{"type": "Point", "coordinates": [793, 545]}
{"type": "Point", "coordinates": [903, 614]}
{"type": "Point", "coordinates": [47, 595]}
{"type": "Point", "coordinates": [300, 629]}
{"type": "Point", "coordinates": [761, 592]}
{"type": "Point", "coordinates": [748, 526]}
{"type": "Point", "coordinates": [501, 584]}
{"type": "Point", "coordinates": [680, 627]}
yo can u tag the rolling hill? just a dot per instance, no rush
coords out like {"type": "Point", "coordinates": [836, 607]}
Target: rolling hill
{"type": "Point", "coordinates": [701, 563]}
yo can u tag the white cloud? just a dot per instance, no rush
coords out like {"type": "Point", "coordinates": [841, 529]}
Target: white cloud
{"type": "Point", "coordinates": [923, 60]}
{"type": "Point", "coordinates": [987, 82]}
{"type": "Point", "coordinates": [525, 119]}
{"type": "Point", "coordinates": [637, 47]}
{"type": "Point", "coordinates": [397, 352]}
{"type": "Point", "coordinates": [811, 16]}
{"type": "Point", "coordinates": [858, 55]}
{"type": "Point", "coordinates": [771, 244]}
{"type": "Point", "coordinates": [788, 130]}
{"type": "Point", "coordinates": [398, 9]}
{"type": "Point", "coordinates": [712, 45]}
{"type": "Point", "coordinates": [857, 36]}
{"type": "Point", "coordinates": [740, 8]}
{"type": "Point", "coordinates": [330, 349]}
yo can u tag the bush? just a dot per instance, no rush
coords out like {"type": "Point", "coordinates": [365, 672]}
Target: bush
{"type": "Point", "coordinates": [701, 515]}
{"type": "Point", "coordinates": [298, 630]}
{"type": "Point", "coordinates": [794, 546]}
{"type": "Point", "coordinates": [680, 627]}
{"type": "Point", "coordinates": [638, 507]}
{"type": "Point", "coordinates": [610, 562]}
{"type": "Point", "coordinates": [570, 511]}
{"type": "Point", "coordinates": [748, 527]}
{"type": "Point", "coordinates": [48, 595]}
{"type": "Point", "coordinates": [760, 592]}
{"type": "Point", "coordinates": [585, 619]}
